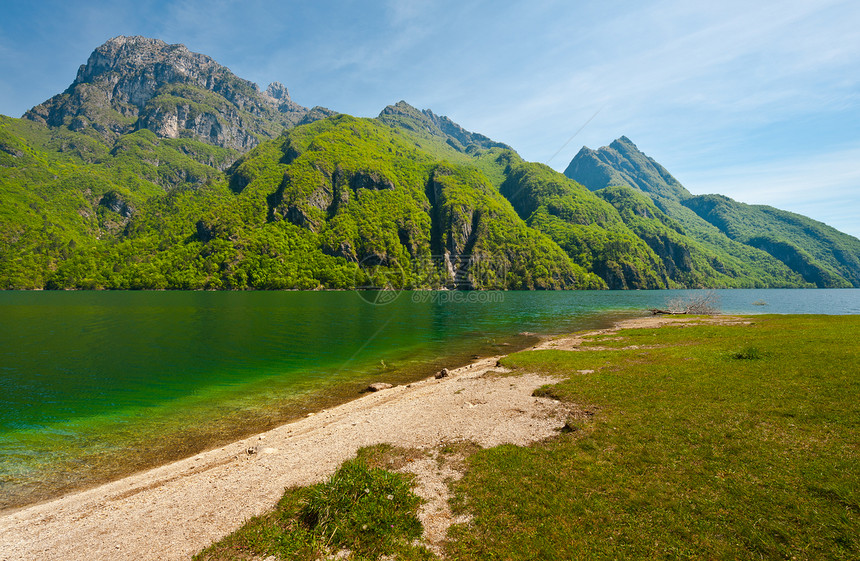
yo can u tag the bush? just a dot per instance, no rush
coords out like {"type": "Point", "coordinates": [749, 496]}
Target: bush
{"type": "Point", "coordinates": [748, 353]}
{"type": "Point", "coordinates": [368, 511]}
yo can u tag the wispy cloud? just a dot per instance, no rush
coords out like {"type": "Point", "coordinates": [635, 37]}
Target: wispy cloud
{"type": "Point", "coordinates": [697, 73]}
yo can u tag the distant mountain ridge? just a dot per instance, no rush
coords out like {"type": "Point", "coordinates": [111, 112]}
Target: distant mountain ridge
{"type": "Point", "coordinates": [158, 168]}
{"type": "Point", "coordinates": [822, 255]}
{"type": "Point", "coordinates": [621, 163]}
{"type": "Point", "coordinates": [404, 115]}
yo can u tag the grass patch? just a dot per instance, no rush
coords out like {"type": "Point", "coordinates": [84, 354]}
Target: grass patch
{"type": "Point", "coordinates": [722, 442]}
{"type": "Point", "coordinates": [748, 353]}
{"type": "Point", "coordinates": [362, 508]}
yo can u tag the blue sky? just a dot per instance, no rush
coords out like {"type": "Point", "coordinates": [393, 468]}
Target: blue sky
{"type": "Point", "coordinates": [759, 103]}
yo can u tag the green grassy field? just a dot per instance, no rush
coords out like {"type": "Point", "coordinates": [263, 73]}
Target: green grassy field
{"type": "Point", "coordinates": [704, 441]}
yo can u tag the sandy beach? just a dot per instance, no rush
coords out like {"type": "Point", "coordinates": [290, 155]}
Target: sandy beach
{"type": "Point", "coordinates": [173, 511]}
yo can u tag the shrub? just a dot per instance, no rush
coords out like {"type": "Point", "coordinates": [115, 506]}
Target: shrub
{"type": "Point", "coordinates": [747, 353]}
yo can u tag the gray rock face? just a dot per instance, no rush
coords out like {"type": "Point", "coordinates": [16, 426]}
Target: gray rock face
{"type": "Point", "coordinates": [277, 90]}
{"type": "Point", "coordinates": [113, 201]}
{"type": "Point", "coordinates": [315, 114]}
{"type": "Point", "coordinates": [131, 83]}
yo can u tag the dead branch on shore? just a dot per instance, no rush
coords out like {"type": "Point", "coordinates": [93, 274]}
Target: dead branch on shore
{"type": "Point", "coordinates": [704, 303]}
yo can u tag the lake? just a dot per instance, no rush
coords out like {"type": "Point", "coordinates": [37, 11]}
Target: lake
{"type": "Point", "coordinates": [95, 385]}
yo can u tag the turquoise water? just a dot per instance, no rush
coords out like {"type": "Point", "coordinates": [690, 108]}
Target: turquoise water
{"type": "Point", "coordinates": [96, 384]}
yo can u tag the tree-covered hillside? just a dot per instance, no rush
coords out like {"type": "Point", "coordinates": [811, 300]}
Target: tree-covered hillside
{"type": "Point", "coordinates": [160, 169]}
{"type": "Point", "coordinates": [822, 255]}
{"type": "Point", "coordinates": [320, 207]}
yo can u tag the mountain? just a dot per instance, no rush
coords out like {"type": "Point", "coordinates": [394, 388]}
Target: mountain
{"type": "Point", "coordinates": [427, 123]}
{"type": "Point", "coordinates": [160, 169]}
{"type": "Point", "coordinates": [133, 83]}
{"type": "Point", "coordinates": [621, 163]}
{"type": "Point", "coordinates": [819, 254]}
{"type": "Point", "coordinates": [822, 255]}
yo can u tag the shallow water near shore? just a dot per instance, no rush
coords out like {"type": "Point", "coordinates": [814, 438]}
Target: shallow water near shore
{"type": "Point", "coordinates": [95, 385]}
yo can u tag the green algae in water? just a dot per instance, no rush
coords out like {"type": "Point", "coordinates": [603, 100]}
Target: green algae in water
{"type": "Point", "coordinates": [95, 385]}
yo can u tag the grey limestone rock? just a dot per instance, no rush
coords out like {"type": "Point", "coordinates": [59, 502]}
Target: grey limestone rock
{"type": "Point", "coordinates": [378, 386]}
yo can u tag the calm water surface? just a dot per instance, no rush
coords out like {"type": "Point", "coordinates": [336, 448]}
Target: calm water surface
{"type": "Point", "coordinates": [96, 384]}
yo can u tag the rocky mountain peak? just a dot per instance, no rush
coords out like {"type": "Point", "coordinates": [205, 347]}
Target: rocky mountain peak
{"type": "Point", "coordinates": [623, 142]}
{"type": "Point", "coordinates": [404, 115]}
{"type": "Point", "coordinates": [130, 83]}
{"type": "Point", "coordinates": [622, 163]}
{"type": "Point", "coordinates": [133, 69]}
{"type": "Point", "coordinates": [277, 90]}
{"type": "Point", "coordinates": [131, 55]}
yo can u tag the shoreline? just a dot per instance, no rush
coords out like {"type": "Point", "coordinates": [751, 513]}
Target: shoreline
{"type": "Point", "coordinates": [174, 510]}
{"type": "Point", "coordinates": [140, 456]}
{"type": "Point", "coordinates": [294, 409]}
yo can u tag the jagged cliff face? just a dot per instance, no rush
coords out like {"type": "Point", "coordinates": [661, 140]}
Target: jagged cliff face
{"type": "Point", "coordinates": [133, 83]}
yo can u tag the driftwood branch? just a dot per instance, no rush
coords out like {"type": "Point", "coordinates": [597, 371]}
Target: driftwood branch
{"type": "Point", "coordinates": [700, 303]}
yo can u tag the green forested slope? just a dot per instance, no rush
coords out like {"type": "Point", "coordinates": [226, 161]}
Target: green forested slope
{"type": "Point", "coordinates": [159, 168]}
{"type": "Point", "coordinates": [821, 254]}
{"type": "Point", "coordinates": [332, 201]}
{"type": "Point", "coordinates": [54, 202]}
{"type": "Point", "coordinates": [336, 203]}
{"type": "Point", "coordinates": [691, 255]}
{"type": "Point", "coordinates": [587, 228]}
{"type": "Point", "coordinates": [321, 206]}
{"type": "Point", "coordinates": [628, 241]}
